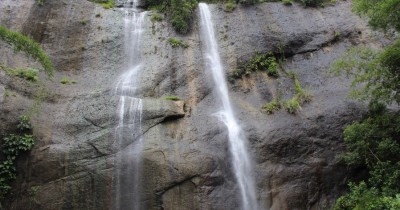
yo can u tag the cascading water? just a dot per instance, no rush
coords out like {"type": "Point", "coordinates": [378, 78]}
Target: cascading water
{"type": "Point", "coordinates": [240, 158]}
{"type": "Point", "coordinates": [129, 143]}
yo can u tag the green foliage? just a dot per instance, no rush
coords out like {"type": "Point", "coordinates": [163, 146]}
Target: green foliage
{"type": "Point", "coordinates": [40, 2]}
{"type": "Point", "coordinates": [29, 74]}
{"type": "Point", "coordinates": [229, 6]}
{"type": "Point", "coordinates": [302, 95]}
{"type": "Point", "coordinates": [377, 71]}
{"type": "Point", "coordinates": [292, 105]}
{"type": "Point", "coordinates": [180, 12]}
{"type": "Point", "coordinates": [156, 17]}
{"type": "Point", "coordinates": [24, 43]}
{"type": "Point", "coordinates": [66, 81]}
{"type": "Point", "coordinates": [374, 143]}
{"type": "Point", "coordinates": [383, 14]}
{"type": "Point", "coordinates": [287, 2]}
{"type": "Point", "coordinates": [106, 4]}
{"type": "Point", "coordinates": [175, 42]}
{"type": "Point", "coordinates": [172, 98]}
{"type": "Point", "coordinates": [272, 106]}
{"type": "Point", "coordinates": [259, 62]}
{"type": "Point", "coordinates": [362, 197]}
{"type": "Point", "coordinates": [13, 146]}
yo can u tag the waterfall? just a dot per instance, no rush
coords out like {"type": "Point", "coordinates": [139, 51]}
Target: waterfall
{"type": "Point", "coordinates": [128, 139]}
{"type": "Point", "coordinates": [242, 164]}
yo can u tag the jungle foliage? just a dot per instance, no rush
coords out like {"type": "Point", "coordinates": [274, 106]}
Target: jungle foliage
{"type": "Point", "coordinates": [374, 143]}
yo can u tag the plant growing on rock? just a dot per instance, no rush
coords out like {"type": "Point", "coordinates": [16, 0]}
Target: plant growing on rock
{"type": "Point", "coordinates": [229, 6]}
{"type": "Point", "coordinates": [175, 42]}
{"type": "Point", "coordinates": [13, 146]}
{"type": "Point", "coordinates": [272, 106]}
{"type": "Point", "coordinates": [30, 47]}
{"type": "Point", "coordinates": [106, 4]}
{"type": "Point", "coordinates": [259, 62]}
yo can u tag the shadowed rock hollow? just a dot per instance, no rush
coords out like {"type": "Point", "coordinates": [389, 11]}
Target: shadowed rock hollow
{"type": "Point", "coordinates": [186, 159]}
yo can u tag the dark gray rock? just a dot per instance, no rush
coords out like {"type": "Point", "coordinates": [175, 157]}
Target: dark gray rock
{"type": "Point", "coordinates": [186, 159]}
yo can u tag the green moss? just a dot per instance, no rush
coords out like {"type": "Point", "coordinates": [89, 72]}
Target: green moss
{"type": "Point", "coordinates": [27, 45]}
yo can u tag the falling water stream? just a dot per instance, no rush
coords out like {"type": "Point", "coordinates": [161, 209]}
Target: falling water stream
{"type": "Point", "coordinates": [240, 158]}
{"type": "Point", "coordinates": [129, 143]}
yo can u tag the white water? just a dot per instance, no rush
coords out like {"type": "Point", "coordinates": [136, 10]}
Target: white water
{"type": "Point", "coordinates": [242, 164]}
{"type": "Point", "coordinates": [128, 161]}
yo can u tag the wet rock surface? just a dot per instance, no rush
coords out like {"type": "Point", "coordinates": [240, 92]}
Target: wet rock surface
{"type": "Point", "coordinates": [186, 158]}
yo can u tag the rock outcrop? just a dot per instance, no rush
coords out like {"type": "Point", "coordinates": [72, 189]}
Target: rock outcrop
{"type": "Point", "coordinates": [186, 159]}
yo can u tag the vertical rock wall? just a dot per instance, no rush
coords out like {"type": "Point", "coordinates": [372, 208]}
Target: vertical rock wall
{"type": "Point", "coordinates": [186, 158]}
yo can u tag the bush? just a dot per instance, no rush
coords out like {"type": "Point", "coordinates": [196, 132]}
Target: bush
{"type": "Point", "coordinates": [13, 146]}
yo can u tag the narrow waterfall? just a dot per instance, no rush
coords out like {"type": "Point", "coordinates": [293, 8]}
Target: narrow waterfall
{"type": "Point", "coordinates": [242, 164]}
{"type": "Point", "coordinates": [129, 143]}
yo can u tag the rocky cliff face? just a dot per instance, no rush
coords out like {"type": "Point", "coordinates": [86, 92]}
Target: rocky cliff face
{"type": "Point", "coordinates": [186, 159]}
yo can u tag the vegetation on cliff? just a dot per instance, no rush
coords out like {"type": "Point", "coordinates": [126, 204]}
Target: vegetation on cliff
{"type": "Point", "coordinates": [374, 143]}
{"type": "Point", "coordinates": [23, 43]}
{"type": "Point", "coordinates": [180, 12]}
{"type": "Point", "coordinates": [14, 145]}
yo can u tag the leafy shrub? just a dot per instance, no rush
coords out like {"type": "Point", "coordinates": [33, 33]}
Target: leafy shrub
{"type": "Point", "coordinates": [24, 43]}
{"type": "Point", "coordinates": [13, 146]}
{"type": "Point", "coordinates": [175, 42]}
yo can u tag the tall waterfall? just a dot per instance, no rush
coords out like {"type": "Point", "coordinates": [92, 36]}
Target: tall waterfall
{"type": "Point", "coordinates": [242, 164]}
{"type": "Point", "coordinates": [129, 143]}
